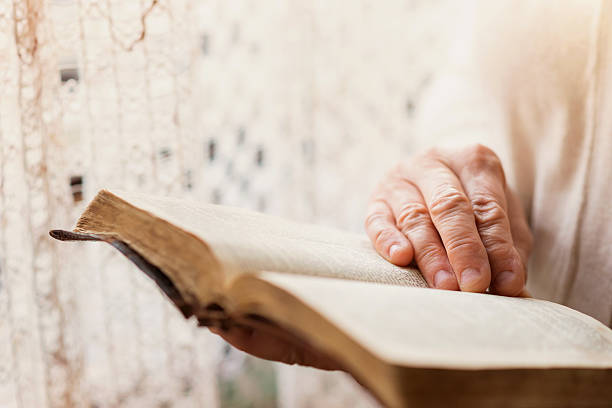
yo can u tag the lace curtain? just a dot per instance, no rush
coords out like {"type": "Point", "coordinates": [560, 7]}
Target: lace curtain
{"type": "Point", "coordinates": [290, 107]}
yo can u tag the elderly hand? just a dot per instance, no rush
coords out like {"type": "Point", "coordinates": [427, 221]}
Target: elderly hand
{"type": "Point", "coordinates": [451, 212]}
{"type": "Point", "coordinates": [270, 344]}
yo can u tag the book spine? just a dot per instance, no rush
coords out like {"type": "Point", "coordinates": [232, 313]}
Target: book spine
{"type": "Point", "coordinates": [152, 271]}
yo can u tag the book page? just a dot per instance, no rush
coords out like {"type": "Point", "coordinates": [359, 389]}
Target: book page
{"type": "Point", "coordinates": [247, 241]}
{"type": "Point", "coordinates": [420, 327]}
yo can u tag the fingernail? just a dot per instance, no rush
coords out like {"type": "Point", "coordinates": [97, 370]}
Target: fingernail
{"type": "Point", "coordinates": [443, 277]}
{"type": "Point", "coordinates": [394, 248]}
{"type": "Point", "coordinates": [508, 283]}
{"type": "Point", "coordinates": [470, 278]}
{"type": "Point", "coordinates": [505, 278]}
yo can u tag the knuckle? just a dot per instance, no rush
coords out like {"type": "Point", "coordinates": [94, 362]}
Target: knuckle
{"type": "Point", "coordinates": [500, 250]}
{"type": "Point", "coordinates": [396, 168]}
{"type": "Point", "coordinates": [387, 187]}
{"type": "Point", "coordinates": [483, 159]}
{"type": "Point", "coordinates": [392, 174]}
{"type": "Point", "coordinates": [373, 219]}
{"type": "Point", "coordinates": [462, 244]}
{"type": "Point", "coordinates": [383, 236]}
{"type": "Point", "coordinates": [412, 215]}
{"type": "Point", "coordinates": [479, 150]}
{"type": "Point", "coordinates": [430, 159]}
{"type": "Point", "coordinates": [487, 211]}
{"type": "Point", "coordinates": [497, 245]}
{"type": "Point", "coordinates": [448, 203]}
{"type": "Point", "coordinates": [428, 254]}
{"type": "Point", "coordinates": [379, 193]}
{"type": "Point", "coordinates": [394, 185]}
{"type": "Point", "coordinates": [432, 153]}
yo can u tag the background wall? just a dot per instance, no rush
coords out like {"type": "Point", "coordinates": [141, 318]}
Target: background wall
{"type": "Point", "coordinates": [292, 107]}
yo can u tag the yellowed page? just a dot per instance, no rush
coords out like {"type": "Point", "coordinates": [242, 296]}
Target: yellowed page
{"type": "Point", "coordinates": [247, 241]}
{"type": "Point", "coordinates": [432, 328]}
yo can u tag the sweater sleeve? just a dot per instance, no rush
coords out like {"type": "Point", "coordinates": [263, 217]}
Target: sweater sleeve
{"type": "Point", "coordinates": [517, 70]}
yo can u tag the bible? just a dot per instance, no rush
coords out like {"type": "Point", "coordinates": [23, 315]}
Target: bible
{"type": "Point", "coordinates": [329, 290]}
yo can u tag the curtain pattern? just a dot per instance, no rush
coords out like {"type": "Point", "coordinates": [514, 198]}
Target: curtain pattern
{"type": "Point", "coordinates": [289, 107]}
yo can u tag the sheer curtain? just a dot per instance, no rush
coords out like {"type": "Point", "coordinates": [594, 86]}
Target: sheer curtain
{"type": "Point", "coordinates": [290, 107]}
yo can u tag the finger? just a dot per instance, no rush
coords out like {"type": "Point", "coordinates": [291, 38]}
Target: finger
{"type": "Point", "coordinates": [412, 218]}
{"type": "Point", "coordinates": [483, 180]}
{"type": "Point", "coordinates": [451, 213]}
{"type": "Point", "coordinates": [248, 340]}
{"type": "Point", "coordinates": [521, 233]}
{"type": "Point", "coordinates": [386, 238]}
{"type": "Point", "coordinates": [262, 344]}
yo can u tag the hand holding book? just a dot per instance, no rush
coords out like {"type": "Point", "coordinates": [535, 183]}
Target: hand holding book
{"type": "Point", "coordinates": [271, 343]}
{"type": "Point", "coordinates": [451, 212]}
{"type": "Point", "coordinates": [470, 220]}
{"type": "Point", "coordinates": [306, 294]}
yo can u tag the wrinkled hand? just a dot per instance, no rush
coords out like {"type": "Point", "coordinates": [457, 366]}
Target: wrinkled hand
{"type": "Point", "coordinates": [270, 344]}
{"type": "Point", "coordinates": [451, 212]}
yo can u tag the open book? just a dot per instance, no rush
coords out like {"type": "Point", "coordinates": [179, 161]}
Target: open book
{"type": "Point", "coordinates": [409, 345]}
